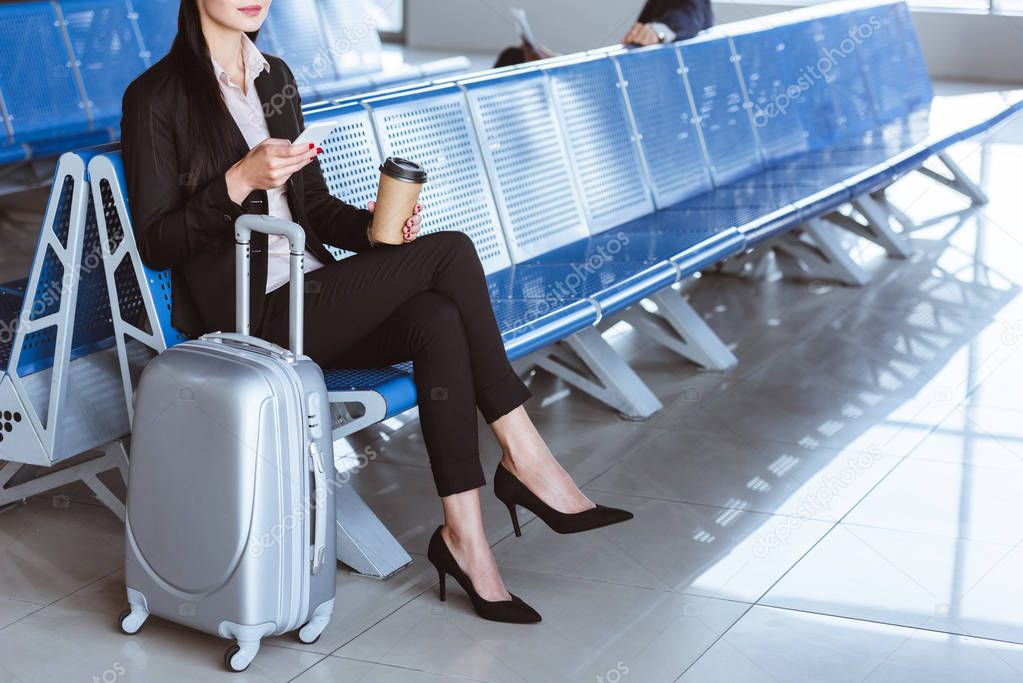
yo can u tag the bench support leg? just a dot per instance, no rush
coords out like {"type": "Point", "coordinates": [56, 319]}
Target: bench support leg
{"type": "Point", "coordinates": [814, 251]}
{"type": "Point", "coordinates": [959, 181]}
{"type": "Point", "coordinates": [363, 542]}
{"type": "Point", "coordinates": [604, 375]}
{"type": "Point", "coordinates": [877, 228]}
{"type": "Point", "coordinates": [13, 488]}
{"type": "Point", "coordinates": [881, 197]}
{"type": "Point", "coordinates": [676, 325]}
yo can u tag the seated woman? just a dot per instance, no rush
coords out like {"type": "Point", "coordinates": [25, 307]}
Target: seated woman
{"type": "Point", "coordinates": [206, 137]}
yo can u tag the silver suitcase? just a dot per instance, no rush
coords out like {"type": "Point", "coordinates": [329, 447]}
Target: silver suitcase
{"type": "Point", "coordinates": [230, 514]}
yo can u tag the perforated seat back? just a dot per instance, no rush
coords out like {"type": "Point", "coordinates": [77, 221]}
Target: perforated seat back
{"type": "Point", "coordinates": [297, 37]}
{"type": "Point", "coordinates": [721, 106]}
{"type": "Point", "coordinates": [351, 32]}
{"type": "Point", "coordinates": [433, 127]}
{"type": "Point", "coordinates": [528, 163]}
{"type": "Point", "coordinates": [882, 57]}
{"type": "Point", "coordinates": [37, 79]}
{"type": "Point", "coordinates": [815, 103]}
{"type": "Point", "coordinates": [109, 56]}
{"type": "Point", "coordinates": [663, 113]}
{"type": "Point", "coordinates": [915, 81]}
{"type": "Point", "coordinates": [773, 91]}
{"type": "Point", "coordinates": [601, 142]}
{"type": "Point", "coordinates": [844, 74]}
{"type": "Point", "coordinates": [158, 23]}
{"type": "Point", "coordinates": [351, 158]}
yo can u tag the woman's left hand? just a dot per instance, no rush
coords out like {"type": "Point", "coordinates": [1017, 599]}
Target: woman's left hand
{"type": "Point", "coordinates": [411, 228]}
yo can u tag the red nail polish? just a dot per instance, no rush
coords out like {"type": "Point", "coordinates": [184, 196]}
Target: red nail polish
{"type": "Point", "coordinates": [319, 150]}
{"type": "Point", "coordinates": [311, 145]}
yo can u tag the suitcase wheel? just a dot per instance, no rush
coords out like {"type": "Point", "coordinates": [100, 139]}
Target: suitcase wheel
{"type": "Point", "coordinates": [131, 621]}
{"type": "Point", "coordinates": [310, 633]}
{"type": "Point", "coordinates": [237, 659]}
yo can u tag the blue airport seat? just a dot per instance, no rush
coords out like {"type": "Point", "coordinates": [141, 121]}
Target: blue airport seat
{"type": "Point", "coordinates": [394, 385]}
{"type": "Point", "coordinates": [297, 37]}
{"type": "Point", "coordinates": [104, 41]}
{"type": "Point", "coordinates": [882, 58]}
{"type": "Point", "coordinates": [13, 152]}
{"type": "Point", "coordinates": [434, 127]}
{"type": "Point", "coordinates": [668, 131]}
{"type": "Point", "coordinates": [350, 30]}
{"type": "Point", "coordinates": [764, 60]}
{"type": "Point", "coordinates": [844, 73]}
{"type": "Point", "coordinates": [594, 116]}
{"type": "Point", "coordinates": [514, 116]}
{"type": "Point", "coordinates": [158, 24]}
{"type": "Point", "coordinates": [717, 93]}
{"type": "Point", "coordinates": [915, 83]}
{"type": "Point", "coordinates": [38, 83]}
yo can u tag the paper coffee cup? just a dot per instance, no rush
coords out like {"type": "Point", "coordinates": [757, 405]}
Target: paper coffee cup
{"type": "Point", "coordinates": [401, 181]}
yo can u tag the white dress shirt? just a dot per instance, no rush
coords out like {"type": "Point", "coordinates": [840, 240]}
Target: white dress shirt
{"type": "Point", "coordinates": [246, 109]}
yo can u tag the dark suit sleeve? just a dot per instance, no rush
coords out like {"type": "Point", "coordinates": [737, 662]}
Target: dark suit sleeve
{"type": "Point", "coordinates": [169, 226]}
{"type": "Point", "coordinates": [685, 17]}
{"type": "Point", "coordinates": [334, 222]}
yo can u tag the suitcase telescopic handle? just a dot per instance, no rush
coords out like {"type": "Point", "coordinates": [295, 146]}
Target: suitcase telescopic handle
{"type": "Point", "coordinates": [243, 229]}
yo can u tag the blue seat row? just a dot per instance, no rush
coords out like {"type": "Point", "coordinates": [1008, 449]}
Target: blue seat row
{"type": "Point", "coordinates": [588, 183]}
{"type": "Point", "coordinates": [67, 63]}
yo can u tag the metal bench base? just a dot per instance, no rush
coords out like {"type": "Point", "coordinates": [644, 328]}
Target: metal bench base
{"type": "Point", "coordinates": [363, 542]}
{"type": "Point", "coordinates": [14, 486]}
{"type": "Point", "coordinates": [814, 252]}
{"type": "Point", "coordinates": [676, 325]}
{"type": "Point", "coordinates": [586, 361]}
{"type": "Point", "coordinates": [958, 181]}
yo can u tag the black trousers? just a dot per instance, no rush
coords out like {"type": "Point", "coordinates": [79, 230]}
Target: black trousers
{"type": "Point", "coordinates": [427, 302]}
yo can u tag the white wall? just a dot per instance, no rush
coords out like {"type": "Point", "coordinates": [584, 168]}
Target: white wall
{"type": "Point", "coordinates": [976, 47]}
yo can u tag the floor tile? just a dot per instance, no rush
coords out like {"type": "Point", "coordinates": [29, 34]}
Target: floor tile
{"type": "Point", "coordinates": [729, 472]}
{"type": "Point", "coordinates": [947, 499]}
{"type": "Point", "coordinates": [589, 629]}
{"type": "Point", "coordinates": [976, 435]}
{"type": "Point", "coordinates": [53, 547]}
{"type": "Point", "coordinates": [714, 552]}
{"type": "Point", "coordinates": [771, 646]}
{"type": "Point", "coordinates": [916, 580]}
{"type": "Point", "coordinates": [337, 669]}
{"type": "Point", "coordinates": [824, 414]}
{"type": "Point", "coordinates": [12, 610]}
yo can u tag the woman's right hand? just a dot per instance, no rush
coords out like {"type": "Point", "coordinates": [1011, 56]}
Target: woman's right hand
{"type": "Point", "coordinates": [268, 165]}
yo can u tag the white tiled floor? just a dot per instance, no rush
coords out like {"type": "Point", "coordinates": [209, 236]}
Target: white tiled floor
{"type": "Point", "coordinates": [843, 506]}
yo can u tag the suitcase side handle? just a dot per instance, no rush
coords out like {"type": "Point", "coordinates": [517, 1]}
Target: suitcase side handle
{"type": "Point", "coordinates": [320, 519]}
{"type": "Point", "coordinates": [243, 229]}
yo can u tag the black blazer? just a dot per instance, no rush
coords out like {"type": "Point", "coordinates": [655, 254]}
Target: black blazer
{"type": "Point", "coordinates": [193, 235]}
{"type": "Point", "coordinates": [685, 17]}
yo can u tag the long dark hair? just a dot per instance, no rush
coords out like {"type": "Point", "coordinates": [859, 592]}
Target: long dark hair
{"type": "Point", "coordinates": [210, 126]}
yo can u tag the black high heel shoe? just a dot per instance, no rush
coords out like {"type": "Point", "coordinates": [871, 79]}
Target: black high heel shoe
{"type": "Point", "coordinates": [513, 492]}
{"type": "Point", "coordinates": [513, 611]}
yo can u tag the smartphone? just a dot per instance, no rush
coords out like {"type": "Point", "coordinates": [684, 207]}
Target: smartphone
{"type": "Point", "coordinates": [317, 132]}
